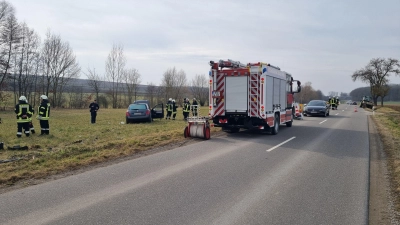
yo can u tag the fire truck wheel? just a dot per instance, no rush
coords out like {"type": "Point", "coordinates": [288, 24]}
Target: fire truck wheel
{"type": "Point", "coordinates": [289, 124]}
{"type": "Point", "coordinates": [275, 129]}
{"type": "Point", "coordinates": [207, 133]}
{"type": "Point", "coordinates": [186, 132]}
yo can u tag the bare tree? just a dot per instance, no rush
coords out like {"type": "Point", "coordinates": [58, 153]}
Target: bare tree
{"type": "Point", "coordinates": [151, 92]}
{"type": "Point", "coordinates": [60, 66]}
{"type": "Point", "coordinates": [174, 84]}
{"type": "Point", "coordinates": [94, 81]}
{"type": "Point", "coordinates": [377, 73]}
{"type": "Point", "coordinates": [26, 60]}
{"type": "Point", "coordinates": [307, 93]}
{"type": "Point", "coordinates": [9, 37]}
{"type": "Point", "coordinates": [199, 88]}
{"type": "Point", "coordinates": [114, 69]}
{"type": "Point", "coordinates": [132, 80]}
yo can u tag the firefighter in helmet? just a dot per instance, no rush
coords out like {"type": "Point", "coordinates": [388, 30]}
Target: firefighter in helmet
{"type": "Point", "coordinates": [186, 108]}
{"type": "Point", "coordinates": [169, 109]}
{"type": "Point", "coordinates": [174, 109]}
{"type": "Point", "coordinates": [337, 101]}
{"type": "Point", "coordinates": [194, 107]}
{"type": "Point", "coordinates": [31, 128]}
{"type": "Point", "coordinates": [44, 115]}
{"type": "Point", "coordinates": [24, 111]}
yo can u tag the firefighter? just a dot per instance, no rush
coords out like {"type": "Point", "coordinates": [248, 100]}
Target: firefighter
{"type": "Point", "coordinates": [24, 111]}
{"type": "Point", "coordinates": [169, 108]}
{"type": "Point", "coordinates": [44, 115]}
{"type": "Point", "coordinates": [174, 108]}
{"type": "Point", "coordinates": [337, 101]}
{"type": "Point", "coordinates": [332, 102]}
{"type": "Point", "coordinates": [186, 108]}
{"type": "Point", "coordinates": [194, 107]}
{"type": "Point", "coordinates": [31, 128]}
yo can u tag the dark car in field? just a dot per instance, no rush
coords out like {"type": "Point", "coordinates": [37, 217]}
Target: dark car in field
{"type": "Point", "coordinates": [317, 108]}
{"type": "Point", "coordinates": [137, 112]}
{"type": "Point", "coordinates": [142, 101]}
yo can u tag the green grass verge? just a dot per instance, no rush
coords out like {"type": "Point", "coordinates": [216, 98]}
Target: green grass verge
{"type": "Point", "coordinates": [74, 142]}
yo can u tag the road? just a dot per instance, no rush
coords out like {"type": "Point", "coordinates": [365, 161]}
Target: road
{"type": "Point", "coordinates": [315, 172]}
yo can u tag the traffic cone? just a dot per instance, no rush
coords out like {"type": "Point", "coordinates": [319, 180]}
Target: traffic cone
{"type": "Point", "coordinates": [355, 108]}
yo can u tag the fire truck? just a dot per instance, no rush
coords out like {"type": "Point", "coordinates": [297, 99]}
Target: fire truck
{"type": "Point", "coordinates": [251, 96]}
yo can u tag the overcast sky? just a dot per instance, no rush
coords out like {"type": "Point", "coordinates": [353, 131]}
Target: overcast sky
{"type": "Point", "coordinates": [317, 41]}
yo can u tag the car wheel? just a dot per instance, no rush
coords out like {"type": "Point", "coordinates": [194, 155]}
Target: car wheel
{"type": "Point", "coordinates": [127, 121]}
{"type": "Point", "coordinates": [275, 129]}
{"type": "Point", "coordinates": [150, 119]}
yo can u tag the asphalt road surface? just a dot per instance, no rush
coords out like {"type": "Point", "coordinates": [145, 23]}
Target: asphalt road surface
{"type": "Point", "coordinates": [315, 172]}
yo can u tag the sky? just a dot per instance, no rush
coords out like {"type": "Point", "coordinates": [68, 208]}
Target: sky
{"type": "Point", "coordinates": [323, 42]}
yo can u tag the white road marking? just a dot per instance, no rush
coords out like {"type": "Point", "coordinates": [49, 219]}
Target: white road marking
{"type": "Point", "coordinates": [336, 114]}
{"type": "Point", "coordinates": [276, 146]}
{"type": "Point", "coordinates": [323, 121]}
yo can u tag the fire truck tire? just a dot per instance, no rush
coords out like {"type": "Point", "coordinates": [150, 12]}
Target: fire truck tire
{"type": "Point", "coordinates": [186, 132]}
{"type": "Point", "coordinates": [207, 133]}
{"type": "Point", "coordinates": [275, 129]}
{"type": "Point", "coordinates": [289, 124]}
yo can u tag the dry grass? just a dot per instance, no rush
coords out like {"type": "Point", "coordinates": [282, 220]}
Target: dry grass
{"type": "Point", "coordinates": [74, 142]}
{"type": "Point", "coordinates": [388, 125]}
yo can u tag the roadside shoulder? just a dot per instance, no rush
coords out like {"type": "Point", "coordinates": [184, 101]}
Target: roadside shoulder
{"type": "Point", "coordinates": [381, 208]}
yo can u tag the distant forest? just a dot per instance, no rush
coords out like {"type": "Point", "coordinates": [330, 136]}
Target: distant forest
{"type": "Point", "coordinates": [393, 94]}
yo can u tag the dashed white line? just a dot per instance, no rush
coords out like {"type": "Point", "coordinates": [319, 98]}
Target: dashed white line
{"type": "Point", "coordinates": [323, 121]}
{"type": "Point", "coordinates": [336, 114]}
{"type": "Point", "coordinates": [276, 146]}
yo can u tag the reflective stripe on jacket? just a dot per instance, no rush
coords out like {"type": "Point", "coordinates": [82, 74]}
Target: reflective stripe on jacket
{"type": "Point", "coordinates": [24, 111]}
{"type": "Point", "coordinates": [186, 107]}
{"type": "Point", "coordinates": [44, 111]}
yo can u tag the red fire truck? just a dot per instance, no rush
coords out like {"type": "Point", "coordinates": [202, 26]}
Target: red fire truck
{"type": "Point", "coordinates": [254, 95]}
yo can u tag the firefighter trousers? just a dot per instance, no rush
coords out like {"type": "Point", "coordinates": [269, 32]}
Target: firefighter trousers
{"type": "Point", "coordinates": [24, 126]}
{"type": "Point", "coordinates": [44, 127]}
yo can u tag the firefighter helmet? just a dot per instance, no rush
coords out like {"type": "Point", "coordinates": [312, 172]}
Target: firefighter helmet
{"type": "Point", "coordinates": [22, 98]}
{"type": "Point", "coordinates": [43, 97]}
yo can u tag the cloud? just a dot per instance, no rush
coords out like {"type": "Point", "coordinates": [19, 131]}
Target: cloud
{"type": "Point", "coordinates": [322, 42]}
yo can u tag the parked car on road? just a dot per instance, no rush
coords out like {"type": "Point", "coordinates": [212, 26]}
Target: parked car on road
{"type": "Point", "coordinates": [317, 108]}
{"type": "Point", "coordinates": [142, 112]}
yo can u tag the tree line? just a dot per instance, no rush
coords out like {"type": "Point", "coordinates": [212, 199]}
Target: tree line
{"type": "Point", "coordinates": [31, 67]}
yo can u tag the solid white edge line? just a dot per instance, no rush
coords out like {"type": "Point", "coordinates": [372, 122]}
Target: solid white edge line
{"type": "Point", "coordinates": [323, 121]}
{"type": "Point", "coordinates": [276, 146]}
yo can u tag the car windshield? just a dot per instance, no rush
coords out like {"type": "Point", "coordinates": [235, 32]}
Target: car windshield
{"type": "Point", "coordinates": [137, 106]}
{"type": "Point", "coordinates": [316, 103]}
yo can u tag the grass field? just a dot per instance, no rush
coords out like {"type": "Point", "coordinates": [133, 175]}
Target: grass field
{"type": "Point", "coordinates": [387, 120]}
{"type": "Point", "coordinates": [74, 142]}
